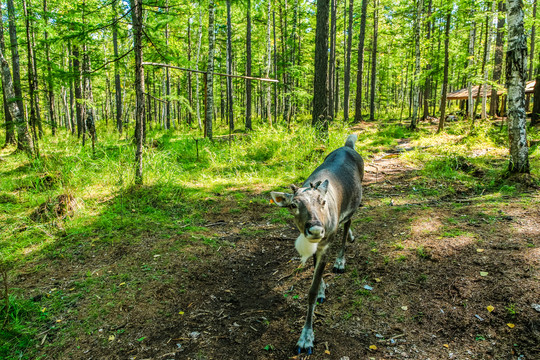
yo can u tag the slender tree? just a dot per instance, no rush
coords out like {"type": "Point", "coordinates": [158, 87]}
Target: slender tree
{"type": "Point", "coordinates": [359, 75]}
{"type": "Point", "coordinates": [416, 77]}
{"type": "Point", "coordinates": [332, 61]}
{"type": "Point", "coordinates": [248, 66]}
{"type": "Point", "coordinates": [210, 72]}
{"type": "Point", "coordinates": [516, 74]}
{"type": "Point", "coordinates": [24, 140]}
{"type": "Point", "coordinates": [497, 67]}
{"type": "Point", "coordinates": [445, 71]}
{"type": "Point", "coordinates": [489, 35]}
{"type": "Point", "coordinates": [137, 17]}
{"type": "Point", "coordinates": [320, 85]}
{"type": "Point", "coordinates": [15, 64]}
{"type": "Point", "coordinates": [374, 60]}
{"type": "Point", "coordinates": [50, 81]}
{"type": "Point", "coordinates": [10, 129]}
{"type": "Point", "coordinates": [347, 76]}
{"type": "Point", "coordinates": [470, 73]}
{"type": "Point", "coordinates": [32, 83]}
{"type": "Point", "coordinates": [117, 84]}
{"type": "Point", "coordinates": [230, 112]}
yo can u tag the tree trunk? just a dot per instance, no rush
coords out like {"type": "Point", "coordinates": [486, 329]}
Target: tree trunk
{"type": "Point", "coordinates": [209, 78]}
{"type": "Point", "coordinates": [516, 73]}
{"type": "Point", "coordinates": [10, 129]}
{"type": "Point", "coordinates": [25, 142]}
{"type": "Point", "coordinates": [117, 84]}
{"type": "Point", "coordinates": [533, 31]}
{"type": "Point", "coordinates": [197, 101]}
{"type": "Point", "coordinates": [332, 61]}
{"type": "Point", "coordinates": [230, 112]}
{"type": "Point", "coordinates": [78, 90]}
{"type": "Point", "coordinates": [15, 63]}
{"type": "Point", "coordinates": [347, 79]}
{"type": "Point", "coordinates": [248, 67]}
{"type": "Point", "coordinates": [136, 6]}
{"type": "Point", "coordinates": [358, 105]}
{"type": "Point", "coordinates": [50, 83]}
{"type": "Point", "coordinates": [268, 86]}
{"type": "Point", "coordinates": [374, 61]}
{"type": "Point", "coordinates": [32, 84]}
{"type": "Point", "coordinates": [486, 60]}
{"type": "Point", "coordinates": [472, 36]}
{"type": "Point", "coordinates": [189, 85]}
{"type": "Point", "coordinates": [445, 76]}
{"type": "Point", "coordinates": [167, 75]}
{"type": "Point", "coordinates": [497, 69]}
{"type": "Point", "coordinates": [427, 83]}
{"type": "Point", "coordinates": [320, 85]}
{"type": "Point", "coordinates": [416, 77]}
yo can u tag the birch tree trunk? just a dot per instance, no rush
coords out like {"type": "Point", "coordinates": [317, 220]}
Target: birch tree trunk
{"type": "Point", "coordinates": [516, 74]}
{"type": "Point", "coordinates": [210, 72]}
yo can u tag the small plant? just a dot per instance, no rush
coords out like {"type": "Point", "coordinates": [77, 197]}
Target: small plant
{"type": "Point", "coordinates": [401, 258]}
{"type": "Point", "coordinates": [511, 309]}
{"type": "Point", "coordinates": [269, 347]}
{"type": "Point", "coordinates": [422, 252]}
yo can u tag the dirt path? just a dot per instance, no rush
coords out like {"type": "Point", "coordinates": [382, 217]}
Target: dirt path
{"type": "Point", "coordinates": [434, 267]}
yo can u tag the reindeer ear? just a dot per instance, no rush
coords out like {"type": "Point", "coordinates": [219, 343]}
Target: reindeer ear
{"type": "Point", "coordinates": [281, 199]}
{"type": "Point", "coordinates": [322, 187]}
{"type": "Point", "coordinates": [294, 188]}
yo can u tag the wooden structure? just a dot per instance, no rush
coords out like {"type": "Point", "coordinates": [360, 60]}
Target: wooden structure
{"type": "Point", "coordinates": [463, 94]}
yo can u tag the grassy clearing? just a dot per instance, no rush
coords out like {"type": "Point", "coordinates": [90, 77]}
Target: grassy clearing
{"type": "Point", "coordinates": [184, 180]}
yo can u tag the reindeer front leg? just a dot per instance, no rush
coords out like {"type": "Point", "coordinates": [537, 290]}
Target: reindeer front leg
{"type": "Point", "coordinates": [307, 337]}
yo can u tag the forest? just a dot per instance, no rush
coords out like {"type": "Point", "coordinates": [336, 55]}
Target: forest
{"type": "Point", "coordinates": [142, 143]}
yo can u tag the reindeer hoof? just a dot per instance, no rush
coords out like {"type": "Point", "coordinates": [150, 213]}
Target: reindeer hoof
{"type": "Point", "coordinates": [309, 350]}
{"type": "Point", "coordinates": [338, 270]}
{"type": "Point", "coordinates": [305, 343]}
{"type": "Point", "coordinates": [320, 300]}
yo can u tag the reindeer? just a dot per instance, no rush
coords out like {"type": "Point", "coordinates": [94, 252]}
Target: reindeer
{"type": "Point", "coordinates": [328, 198]}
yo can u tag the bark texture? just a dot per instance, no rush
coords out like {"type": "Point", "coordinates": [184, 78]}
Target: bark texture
{"type": "Point", "coordinates": [362, 36]}
{"type": "Point", "coordinates": [320, 85]}
{"type": "Point", "coordinates": [516, 74]}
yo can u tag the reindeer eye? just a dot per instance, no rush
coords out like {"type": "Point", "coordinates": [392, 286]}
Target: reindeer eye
{"type": "Point", "coordinates": [293, 206]}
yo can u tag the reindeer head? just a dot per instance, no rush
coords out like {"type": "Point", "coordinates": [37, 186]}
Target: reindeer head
{"type": "Point", "coordinates": [307, 205]}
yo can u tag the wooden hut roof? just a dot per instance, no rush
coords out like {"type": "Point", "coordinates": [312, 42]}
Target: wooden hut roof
{"type": "Point", "coordinates": [463, 94]}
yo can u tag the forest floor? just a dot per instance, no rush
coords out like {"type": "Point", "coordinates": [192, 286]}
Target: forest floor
{"type": "Point", "coordinates": [437, 277]}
